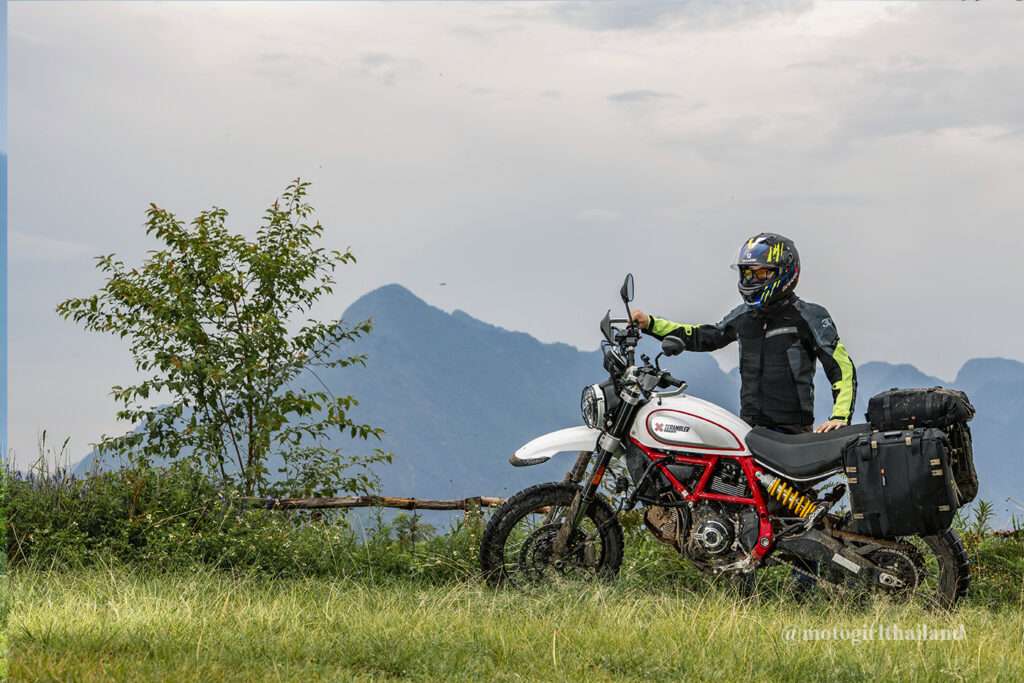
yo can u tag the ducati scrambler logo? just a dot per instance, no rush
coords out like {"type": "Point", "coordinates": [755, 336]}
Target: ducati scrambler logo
{"type": "Point", "coordinates": [670, 428]}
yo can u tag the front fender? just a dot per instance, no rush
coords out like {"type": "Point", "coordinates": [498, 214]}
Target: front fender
{"type": "Point", "coordinates": [543, 447]}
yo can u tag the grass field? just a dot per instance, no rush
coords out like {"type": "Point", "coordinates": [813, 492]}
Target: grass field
{"type": "Point", "coordinates": [118, 625]}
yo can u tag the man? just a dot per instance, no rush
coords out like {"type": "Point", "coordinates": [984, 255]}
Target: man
{"type": "Point", "coordinates": [780, 336]}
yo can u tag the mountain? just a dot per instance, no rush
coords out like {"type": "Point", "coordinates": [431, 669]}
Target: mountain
{"type": "Point", "coordinates": [456, 396]}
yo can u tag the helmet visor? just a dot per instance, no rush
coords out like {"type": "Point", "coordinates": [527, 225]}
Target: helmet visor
{"type": "Point", "coordinates": [753, 275]}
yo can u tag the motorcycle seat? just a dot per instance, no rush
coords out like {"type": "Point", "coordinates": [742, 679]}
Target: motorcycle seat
{"type": "Point", "coordinates": [802, 457]}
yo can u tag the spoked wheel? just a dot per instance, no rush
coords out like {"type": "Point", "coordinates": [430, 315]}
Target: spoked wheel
{"type": "Point", "coordinates": [518, 546]}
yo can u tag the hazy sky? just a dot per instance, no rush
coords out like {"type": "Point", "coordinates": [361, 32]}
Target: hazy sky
{"type": "Point", "coordinates": [528, 156]}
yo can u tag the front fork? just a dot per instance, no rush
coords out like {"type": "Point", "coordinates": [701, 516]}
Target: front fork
{"type": "Point", "coordinates": [607, 446]}
{"type": "Point", "coordinates": [585, 496]}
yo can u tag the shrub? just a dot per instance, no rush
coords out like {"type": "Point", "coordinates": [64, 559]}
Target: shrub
{"type": "Point", "coordinates": [175, 518]}
{"type": "Point", "coordinates": [218, 324]}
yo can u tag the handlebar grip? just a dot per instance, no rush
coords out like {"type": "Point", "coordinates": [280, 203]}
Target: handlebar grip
{"type": "Point", "coordinates": [668, 380]}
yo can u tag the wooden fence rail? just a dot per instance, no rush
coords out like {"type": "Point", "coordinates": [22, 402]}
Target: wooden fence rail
{"type": "Point", "coordinates": [374, 501]}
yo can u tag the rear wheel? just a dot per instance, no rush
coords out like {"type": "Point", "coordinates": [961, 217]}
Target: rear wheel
{"type": "Point", "coordinates": [942, 568]}
{"type": "Point", "coordinates": [518, 545]}
{"type": "Point", "coordinates": [932, 571]}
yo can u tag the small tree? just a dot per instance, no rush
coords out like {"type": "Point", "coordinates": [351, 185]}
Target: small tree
{"type": "Point", "coordinates": [216, 323]}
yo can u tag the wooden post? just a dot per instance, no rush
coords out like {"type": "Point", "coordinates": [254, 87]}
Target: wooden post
{"type": "Point", "coordinates": [373, 501]}
{"type": "Point", "coordinates": [471, 513]}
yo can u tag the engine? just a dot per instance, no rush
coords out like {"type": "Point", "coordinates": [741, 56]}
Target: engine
{"type": "Point", "coordinates": [720, 534]}
{"type": "Point", "coordinates": [711, 533]}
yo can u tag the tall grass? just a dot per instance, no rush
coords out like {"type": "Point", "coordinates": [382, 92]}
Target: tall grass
{"type": "Point", "coordinates": [113, 624]}
{"type": "Point", "coordinates": [152, 575]}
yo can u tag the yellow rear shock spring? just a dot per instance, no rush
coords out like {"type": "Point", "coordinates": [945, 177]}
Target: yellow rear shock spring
{"type": "Point", "coordinates": [783, 492]}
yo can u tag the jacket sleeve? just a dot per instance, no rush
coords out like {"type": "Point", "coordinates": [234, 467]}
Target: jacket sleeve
{"type": "Point", "coordinates": [698, 337]}
{"type": "Point", "coordinates": [834, 359]}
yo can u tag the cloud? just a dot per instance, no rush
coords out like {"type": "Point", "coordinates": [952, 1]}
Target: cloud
{"type": "Point", "coordinates": [875, 135]}
{"type": "Point", "coordinates": [480, 90]}
{"type": "Point", "coordinates": [797, 201]}
{"type": "Point", "coordinates": [598, 216]}
{"type": "Point", "coordinates": [284, 67]}
{"type": "Point", "coordinates": [829, 63]}
{"type": "Point", "coordinates": [660, 14]}
{"type": "Point", "coordinates": [386, 67]}
{"type": "Point", "coordinates": [641, 95]}
{"type": "Point", "coordinates": [489, 31]}
{"type": "Point", "coordinates": [1015, 134]}
{"type": "Point", "coordinates": [36, 248]}
{"type": "Point", "coordinates": [900, 99]}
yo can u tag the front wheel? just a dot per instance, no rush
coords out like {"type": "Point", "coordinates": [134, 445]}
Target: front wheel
{"type": "Point", "coordinates": [518, 545]}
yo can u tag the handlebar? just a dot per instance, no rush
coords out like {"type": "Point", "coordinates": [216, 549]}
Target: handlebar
{"type": "Point", "coordinates": [667, 380]}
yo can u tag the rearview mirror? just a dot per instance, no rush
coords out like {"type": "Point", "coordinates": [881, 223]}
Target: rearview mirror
{"type": "Point", "coordinates": [672, 346]}
{"type": "Point", "coordinates": [606, 327]}
{"type": "Point", "coordinates": [627, 289]}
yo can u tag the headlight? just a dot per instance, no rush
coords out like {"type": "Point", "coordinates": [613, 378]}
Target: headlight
{"type": "Point", "coordinates": [592, 406]}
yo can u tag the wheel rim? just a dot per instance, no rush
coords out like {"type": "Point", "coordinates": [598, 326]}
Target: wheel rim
{"type": "Point", "coordinates": [528, 552]}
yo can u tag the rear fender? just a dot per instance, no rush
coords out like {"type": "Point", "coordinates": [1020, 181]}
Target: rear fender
{"type": "Point", "coordinates": [573, 439]}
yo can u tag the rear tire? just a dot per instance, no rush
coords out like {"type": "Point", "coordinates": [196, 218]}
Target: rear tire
{"type": "Point", "coordinates": [495, 556]}
{"type": "Point", "coordinates": [938, 563]}
{"type": "Point", "coordinates": [954, 568]}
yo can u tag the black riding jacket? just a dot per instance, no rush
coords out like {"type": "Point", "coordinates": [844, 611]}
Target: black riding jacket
{"type": "Point", "coordinates": [778, 348]}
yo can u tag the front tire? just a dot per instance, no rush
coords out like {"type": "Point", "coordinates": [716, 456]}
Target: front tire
{"type": "Point", "coordinates": [515, 548]}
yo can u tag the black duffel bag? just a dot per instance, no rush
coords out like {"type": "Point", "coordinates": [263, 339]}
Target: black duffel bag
{"type": "Point", "coordinates": [912, 408]}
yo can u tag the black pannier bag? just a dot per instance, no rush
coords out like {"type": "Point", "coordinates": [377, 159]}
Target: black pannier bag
{"type": "Point", "coordinates": [901, 483]}
{"type": "Point", "coordinates": [962, 462]}
{"type": "Point", "coordinates": [910, 408]}
{"type": "Point", "coordinates": [948, 409]}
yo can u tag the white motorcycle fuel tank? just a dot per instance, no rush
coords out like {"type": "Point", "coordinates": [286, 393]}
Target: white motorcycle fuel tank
{"type": "Point", "coordinates": [689, 424]}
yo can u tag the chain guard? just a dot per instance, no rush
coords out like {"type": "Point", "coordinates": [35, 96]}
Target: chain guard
{"type": "Point", "coordinates": [906, 564]}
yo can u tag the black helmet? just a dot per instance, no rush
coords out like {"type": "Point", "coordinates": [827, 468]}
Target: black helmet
{"type": "Point", "coordinates": [777, 255]}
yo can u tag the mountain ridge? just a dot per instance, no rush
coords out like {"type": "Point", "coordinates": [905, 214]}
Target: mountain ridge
{"type": "Point", "coordinates": [456, 395]}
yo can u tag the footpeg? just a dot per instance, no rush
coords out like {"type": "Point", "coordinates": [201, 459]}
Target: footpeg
{"type": "Point", "coordinates": [817, 513]}
{"type": "Point", "coordinates": [825, 504]}
{"type": "Point", "coordinates": [833, 496]}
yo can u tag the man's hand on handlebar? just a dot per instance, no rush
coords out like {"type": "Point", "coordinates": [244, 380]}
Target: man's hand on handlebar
{"type": "Point", "coordinates": [641, 318]}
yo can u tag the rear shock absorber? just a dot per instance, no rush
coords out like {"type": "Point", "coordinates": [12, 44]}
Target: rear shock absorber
{"type": "Point", "coordinates": [782, 491]}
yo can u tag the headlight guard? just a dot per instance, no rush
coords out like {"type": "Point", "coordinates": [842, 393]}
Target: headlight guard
{"type": "Point", "coordinates": [592, 405]}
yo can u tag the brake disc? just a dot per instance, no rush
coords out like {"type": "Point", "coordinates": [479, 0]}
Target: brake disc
{"type": "Point", "coordinates": [537, 552]}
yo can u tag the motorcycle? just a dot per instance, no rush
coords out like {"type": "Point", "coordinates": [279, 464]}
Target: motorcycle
{"type": "Point", "coordinates": [731, 499]}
